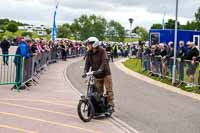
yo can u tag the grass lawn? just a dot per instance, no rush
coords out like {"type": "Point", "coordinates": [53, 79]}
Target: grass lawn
{"type": "Point", "coordinates": [136, 65]}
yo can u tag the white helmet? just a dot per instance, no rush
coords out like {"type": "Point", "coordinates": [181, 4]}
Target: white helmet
{"type": "Point", "coordinates": [94, 41]}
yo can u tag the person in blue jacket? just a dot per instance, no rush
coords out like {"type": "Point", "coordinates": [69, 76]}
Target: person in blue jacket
{"type": "Point", "coordinates": [21, 52]}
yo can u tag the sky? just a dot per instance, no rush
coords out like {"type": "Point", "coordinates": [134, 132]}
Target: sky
{"type": "Point", "coordinates": [144, 12]}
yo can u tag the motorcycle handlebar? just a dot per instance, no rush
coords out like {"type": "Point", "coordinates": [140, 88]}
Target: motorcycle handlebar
{"type": "Point", "coordinates": [90, 73]}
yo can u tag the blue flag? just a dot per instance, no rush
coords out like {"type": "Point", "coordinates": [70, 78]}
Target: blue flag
{"type": "Point", "coordinates": [54, 30]}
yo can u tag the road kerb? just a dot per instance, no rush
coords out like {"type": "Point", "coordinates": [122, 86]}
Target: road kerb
{"type": "Point", "coordinates": [120, 66]}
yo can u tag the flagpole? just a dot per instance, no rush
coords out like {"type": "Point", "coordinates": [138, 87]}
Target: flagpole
{"type": "Point", "coordinates": [175, 45]}
{"type": "Point", "coordinates": [163, 22]}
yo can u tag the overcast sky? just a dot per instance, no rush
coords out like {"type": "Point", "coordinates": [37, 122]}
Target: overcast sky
{"type": "Point", "coordinates": [144, 12]}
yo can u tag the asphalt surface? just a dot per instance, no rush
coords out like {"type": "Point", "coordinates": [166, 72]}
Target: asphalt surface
{"type": "Point", "coordinates": [146, 107]}
{"type": "Point", "coordinates": [48, 107]}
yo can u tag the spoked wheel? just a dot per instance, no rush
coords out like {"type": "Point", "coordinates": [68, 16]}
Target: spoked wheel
{"type": "Point", "coordinates": [85, 110]}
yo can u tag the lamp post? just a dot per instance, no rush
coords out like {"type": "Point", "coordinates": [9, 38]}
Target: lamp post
{"type": "Point", "coordinates": [131, 23]}
{"type": "Point", "coordinates": [175, 45]}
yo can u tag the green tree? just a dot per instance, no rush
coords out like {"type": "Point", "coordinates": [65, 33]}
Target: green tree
{"type": "Point", "coordinates": [156, 26]}
{"type": "Point", "coordinates": [193, 25]}
{"type": "Point", "coordinates": [12, 27]}
{"type": "Point", "coordinates": [170, 24]}
{"type": "Point", "coordinates": [48, 31]}
{"type": "Point", "coordinates": [142, 32]}
{"type": "Point", "coordinates": [4, 21]}
{"type": "Point", "coordinates": [197, 15]}
{"type": "Point", "coordinates": [135, 29]}
{"type": "Point", "coordinates": [87, 26]}
{"type": "Point", "coordinates": [64, 31]}
{"type": "Point", "coordinates": [197, 25]}
{"type": "Point", "coordinates": [115, 31]}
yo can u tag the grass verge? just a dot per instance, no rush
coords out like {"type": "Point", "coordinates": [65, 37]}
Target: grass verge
{"type": "Point", "coordinates": [136, 65]}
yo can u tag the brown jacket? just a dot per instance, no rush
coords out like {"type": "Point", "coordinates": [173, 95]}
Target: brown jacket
{"type": "Point", "coordinates": [98, 60]}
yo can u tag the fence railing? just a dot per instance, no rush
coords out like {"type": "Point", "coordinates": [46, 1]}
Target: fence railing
{"type": "Point", "coordinates": [18, 71]}
{"type": "Point", "coordinates": [186, 70]}
{"type": "Point", "coordinates": [11, 70]}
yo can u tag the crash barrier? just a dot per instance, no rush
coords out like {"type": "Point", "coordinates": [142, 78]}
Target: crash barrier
{"type": "Point", "coordinates": [11, 70]}
{"type": "Point", "coordinates": [19, 71]}
{"type": "Point", "coordinates": [75, 52]}
{"type": "Point", "coordinates": [186, 70]}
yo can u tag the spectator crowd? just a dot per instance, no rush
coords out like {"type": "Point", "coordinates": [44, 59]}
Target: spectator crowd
{"type": "Point", "coordinates": [159, 60]}
{"type": "Point", "coordinates": [36, 53]}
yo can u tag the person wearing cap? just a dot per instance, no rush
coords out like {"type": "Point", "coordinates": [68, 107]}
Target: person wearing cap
{"type": "Point", "coordinates": [97, 60]}
{"type": "Point", "coordinates": [22, 51]}
{"type": "Point", "coordinates": [5, 45]}
{"type": "Point", "coordinates": [180, 57]}
{"type": "Point", "coordinates": [191, 56]}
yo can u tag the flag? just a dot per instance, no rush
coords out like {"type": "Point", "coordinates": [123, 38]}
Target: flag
{"type": "Point", "coordinates": [54, 30]}
{"type": "Point", "coordinates": [163, 22]}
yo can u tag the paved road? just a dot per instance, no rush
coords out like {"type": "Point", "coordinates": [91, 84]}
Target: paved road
{"type": "Point", "coordinates": [146, 107]}
{"type": "Point", "coordinates": [49, 107]}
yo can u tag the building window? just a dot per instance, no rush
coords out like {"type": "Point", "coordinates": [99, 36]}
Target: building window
{"type": "Point", "coordinates": [155, 38]}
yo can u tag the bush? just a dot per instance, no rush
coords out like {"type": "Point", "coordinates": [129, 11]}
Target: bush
{"type": "Point", "coordinates": [12, 27]}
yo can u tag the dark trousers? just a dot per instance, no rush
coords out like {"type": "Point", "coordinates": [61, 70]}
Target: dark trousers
{"type": "Point", "coordinates": [63, 54]}
{"type": "Point", "coordinates": [18, 74]}
{"type": "Point", "coordinates": [5, 57]}
{"type": "Point", "coordinates": [181, 71]}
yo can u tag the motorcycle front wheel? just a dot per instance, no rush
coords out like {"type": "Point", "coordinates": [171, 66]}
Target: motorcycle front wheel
{"type": "Point", "coordinates": [85, 110]}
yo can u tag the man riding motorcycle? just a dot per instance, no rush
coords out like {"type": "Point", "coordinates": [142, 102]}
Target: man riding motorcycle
{"type": "Point", "coordinates": [97, 60]}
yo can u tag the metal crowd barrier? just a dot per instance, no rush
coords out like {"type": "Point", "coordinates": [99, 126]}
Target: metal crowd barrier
{"type": "Point", "coordinates": [11, 70]}
{"type": "Point", "coordinates": [52, 56]}
{"type": "Point", "coordinates": [186, 71]}
{"type": "Point", "coordinates": [75, 52]}
{"type": "Point", "coordinates": [20, 71]}
{"type": "Point", "coordinates": [28, 72]}
{"type": "Point", "coordinates": [36, 64]}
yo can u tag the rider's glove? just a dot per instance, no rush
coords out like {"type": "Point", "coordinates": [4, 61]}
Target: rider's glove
{"type": "Point", "coordinates": [84, 75]}
{"type": "Point", "coordinates": [99, 71]}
